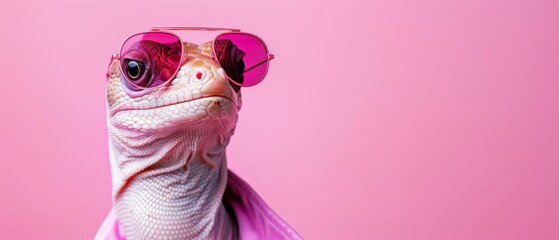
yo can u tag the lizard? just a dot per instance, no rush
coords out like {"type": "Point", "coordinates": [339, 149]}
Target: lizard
{"type": "Point", "coordinates": [168, 164]}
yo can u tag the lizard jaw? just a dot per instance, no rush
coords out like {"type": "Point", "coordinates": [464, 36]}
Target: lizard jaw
{"type": "Point", "coordinates": [145, 105]}
{"type": "Point", "coordinates": [171, 115]}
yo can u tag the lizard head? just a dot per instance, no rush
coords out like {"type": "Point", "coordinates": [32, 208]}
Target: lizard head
{"type": "Point", "coordinates": [199, 97]}
{"type": "Point", "coordinates": [167, 143]}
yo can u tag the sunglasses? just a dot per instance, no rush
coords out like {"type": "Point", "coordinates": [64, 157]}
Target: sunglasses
{"type": "Point", "coordinates": [152, 59]}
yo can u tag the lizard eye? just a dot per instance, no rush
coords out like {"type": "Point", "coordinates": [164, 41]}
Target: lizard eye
{"type": "Point", "coordinates": [135, 70]}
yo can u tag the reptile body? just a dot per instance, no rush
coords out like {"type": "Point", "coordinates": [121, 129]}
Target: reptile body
{"type": "Point", "coordinates": [168, 163]}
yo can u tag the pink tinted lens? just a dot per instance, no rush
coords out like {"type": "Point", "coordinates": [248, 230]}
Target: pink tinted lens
{"type": "Point", "coordinates": [150, 59]}
{"type": "Point", "coordinates": [244, 57]}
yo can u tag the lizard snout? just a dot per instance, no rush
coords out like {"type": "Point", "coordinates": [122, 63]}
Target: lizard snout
{"type": "Point", "coordinates": [219, 86]}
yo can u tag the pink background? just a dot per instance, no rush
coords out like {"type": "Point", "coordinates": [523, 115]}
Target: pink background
{"type": "Point", "coordinates": [378, 119]}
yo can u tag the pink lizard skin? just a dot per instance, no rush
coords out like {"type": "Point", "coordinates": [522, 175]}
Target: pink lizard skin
{"type": "Point", "coordinates": [168, 163]}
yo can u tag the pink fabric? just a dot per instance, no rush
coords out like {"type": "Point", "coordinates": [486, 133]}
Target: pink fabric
{"type": "Point", "coordinates": [255, 219]}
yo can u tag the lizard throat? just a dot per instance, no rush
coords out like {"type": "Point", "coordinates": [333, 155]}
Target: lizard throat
{"type": "Point", "coordinates": [174, 179]}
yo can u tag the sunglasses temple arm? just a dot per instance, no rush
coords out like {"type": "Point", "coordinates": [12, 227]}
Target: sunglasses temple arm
{"type": "Point", "coordinates": [270, 57]}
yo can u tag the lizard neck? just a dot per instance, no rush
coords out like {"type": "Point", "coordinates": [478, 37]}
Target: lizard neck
{"type": "Point", "coordinates": [170, 184]}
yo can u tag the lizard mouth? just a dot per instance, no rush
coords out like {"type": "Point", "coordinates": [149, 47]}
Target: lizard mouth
{"type": "Point", "coordinates": [193, 102]}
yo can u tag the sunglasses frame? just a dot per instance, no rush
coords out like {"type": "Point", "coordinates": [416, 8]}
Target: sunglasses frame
{"type": "Point", "coordinates": [168, 30]}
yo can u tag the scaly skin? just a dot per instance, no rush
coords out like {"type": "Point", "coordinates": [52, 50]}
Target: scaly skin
{"type": "Point", "coordinates": [167, 151]}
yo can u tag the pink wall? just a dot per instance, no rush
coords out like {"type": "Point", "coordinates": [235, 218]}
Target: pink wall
{"type": "Point", "coordinates": [378, 120]}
